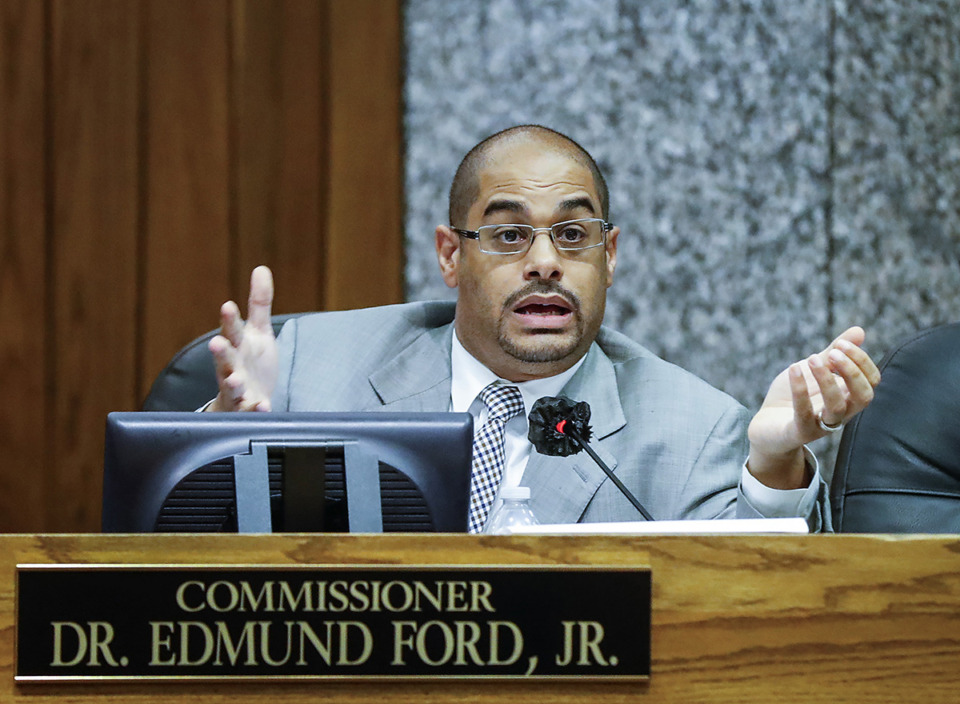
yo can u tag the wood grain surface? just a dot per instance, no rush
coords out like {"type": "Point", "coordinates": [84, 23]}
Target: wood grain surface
{"type": "Point", "coordinates": [365, 179]}
{"type": "Point", "coordinates": [151, 153]}
{"type": "Point", "coordinates": [93, 246]}
{"type": "Point", "coordinates": [735, 618]}
{"type": "Point", "coordinates": [24, 349]}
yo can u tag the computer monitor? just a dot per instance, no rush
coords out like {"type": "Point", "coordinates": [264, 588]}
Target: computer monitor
{"type": "Point", "coordinates": [287, 472]}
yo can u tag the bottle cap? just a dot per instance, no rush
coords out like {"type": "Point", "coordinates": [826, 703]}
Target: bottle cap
{"type": "Point", "coordinates": [515, 493]}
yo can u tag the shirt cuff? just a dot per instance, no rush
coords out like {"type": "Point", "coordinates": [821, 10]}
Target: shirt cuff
{"type": "Point", "coordinates": [782, 503]}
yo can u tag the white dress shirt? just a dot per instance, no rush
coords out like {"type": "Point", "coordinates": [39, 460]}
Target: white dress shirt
{"type": "Point", "coordinates": [470, 377]}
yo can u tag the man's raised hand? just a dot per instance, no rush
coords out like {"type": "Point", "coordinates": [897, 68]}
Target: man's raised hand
{"type": "Point", "coordinates": [831, 386]}
{"type": "Point", "coordinates": [245, 353]}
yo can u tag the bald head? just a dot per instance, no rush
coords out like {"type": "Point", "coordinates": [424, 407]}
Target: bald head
{"type": "Point", "coordinates": [466, 183]}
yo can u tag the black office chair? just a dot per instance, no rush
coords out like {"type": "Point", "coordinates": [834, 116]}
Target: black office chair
{"type": "Point", "coordinates": [898, 467]}
{"type": "Point", "coordinates": [189, 380]}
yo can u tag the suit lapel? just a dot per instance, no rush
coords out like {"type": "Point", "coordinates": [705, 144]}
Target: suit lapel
{"type": "Point", "coordinates": [418, 378]}
{"type": "Point", "coordinates": [562, 487]}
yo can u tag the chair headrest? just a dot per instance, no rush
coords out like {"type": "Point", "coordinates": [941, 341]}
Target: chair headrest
{"type": "Point", "coordinates": [898, 467]}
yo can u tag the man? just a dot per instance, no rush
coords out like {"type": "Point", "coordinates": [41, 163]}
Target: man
{"type": "Point", "coordinates": [531, 253]}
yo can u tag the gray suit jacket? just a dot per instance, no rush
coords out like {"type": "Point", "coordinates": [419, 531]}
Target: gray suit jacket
{"type": "Point", "coordinates": [677, 443]}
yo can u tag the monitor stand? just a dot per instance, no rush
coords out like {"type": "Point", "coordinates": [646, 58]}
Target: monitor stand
{"type": "Point", "coordinates": [303, 486]}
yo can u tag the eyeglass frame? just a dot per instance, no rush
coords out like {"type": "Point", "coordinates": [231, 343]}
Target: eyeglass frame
{"type": "Point", "coordinates": [605, 227]}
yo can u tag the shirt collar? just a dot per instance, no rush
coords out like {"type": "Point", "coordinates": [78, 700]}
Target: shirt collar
{"type": "Point", "coordinates": [470, 377]}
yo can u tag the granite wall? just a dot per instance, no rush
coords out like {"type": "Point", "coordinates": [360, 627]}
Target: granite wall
{"type": "Point", "coordinates": [779, 170]}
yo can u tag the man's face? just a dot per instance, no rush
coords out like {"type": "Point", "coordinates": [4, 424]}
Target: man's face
{"type": "Point", "coordinates": [535, 314]}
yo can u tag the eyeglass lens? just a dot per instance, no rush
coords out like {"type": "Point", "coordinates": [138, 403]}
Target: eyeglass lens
{"type": "Point", "coordinates": [571, 235]}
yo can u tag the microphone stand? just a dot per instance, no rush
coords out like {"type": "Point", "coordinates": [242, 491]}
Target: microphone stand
{"type": "Point", "coordinates": [571, 431]}
{"type": "Point", "coordinates": [559, 427]}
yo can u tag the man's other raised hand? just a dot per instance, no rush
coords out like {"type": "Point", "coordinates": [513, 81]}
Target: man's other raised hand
{"type": "Point", "coordinates": [831, 386]}
{"type": "Point", "coordinates": [245, 352]}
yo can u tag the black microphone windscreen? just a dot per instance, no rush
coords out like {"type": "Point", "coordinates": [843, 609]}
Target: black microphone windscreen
{"type": "Point", "coordinates": [548, 420]}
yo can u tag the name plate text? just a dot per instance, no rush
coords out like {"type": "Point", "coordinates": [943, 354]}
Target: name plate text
{"type": "Point", "coordinates": [319, 622]}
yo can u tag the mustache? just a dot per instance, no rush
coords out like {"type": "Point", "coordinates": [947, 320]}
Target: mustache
{"type": "Point", "coordinates": [542, 287]}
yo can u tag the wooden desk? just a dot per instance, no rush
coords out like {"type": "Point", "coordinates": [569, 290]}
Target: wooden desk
{"type": "Point", "coordinates": [832, 618]}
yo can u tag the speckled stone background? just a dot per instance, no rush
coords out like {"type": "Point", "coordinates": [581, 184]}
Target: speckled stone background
{"type": "Point", "coordinates": [779, 170]}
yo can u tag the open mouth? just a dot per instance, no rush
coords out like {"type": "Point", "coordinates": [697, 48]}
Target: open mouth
{"type": "Point", "coordinates": [544, 311]}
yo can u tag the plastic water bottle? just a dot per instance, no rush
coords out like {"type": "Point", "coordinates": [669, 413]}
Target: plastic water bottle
{"type": "Point", "coordinates": [514, 510]}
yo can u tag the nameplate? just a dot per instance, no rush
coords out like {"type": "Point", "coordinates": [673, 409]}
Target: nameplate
{"type": "Point", "coordinates": [124, 622]}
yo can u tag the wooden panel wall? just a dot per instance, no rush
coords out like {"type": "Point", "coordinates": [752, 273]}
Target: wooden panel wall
{"type": "Point", "coordinates": [152, 153]}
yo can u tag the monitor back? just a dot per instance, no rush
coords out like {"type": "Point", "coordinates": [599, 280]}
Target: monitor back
{"type": "Point", "coordinates": [175, 472]}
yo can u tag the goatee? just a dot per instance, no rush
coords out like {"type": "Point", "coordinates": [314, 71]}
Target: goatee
{"type": "Point", "coordinates": [544, 349]}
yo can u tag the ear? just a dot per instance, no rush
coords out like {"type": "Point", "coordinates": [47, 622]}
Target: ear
{"type": "Point", "coordinates": [611, 248]}
{"type": "Point", "coordinates": [448, 255]}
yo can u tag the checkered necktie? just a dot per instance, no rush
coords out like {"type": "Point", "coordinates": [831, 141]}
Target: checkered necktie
{"type": "Point", "coordinates": [503, 403]}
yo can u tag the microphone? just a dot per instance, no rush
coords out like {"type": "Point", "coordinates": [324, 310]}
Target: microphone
{"type": "Point", "coordinates": [560, 427]}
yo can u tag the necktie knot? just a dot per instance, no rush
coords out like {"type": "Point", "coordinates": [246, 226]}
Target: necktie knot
{"type": "Point", "coordinates": [502, 402]}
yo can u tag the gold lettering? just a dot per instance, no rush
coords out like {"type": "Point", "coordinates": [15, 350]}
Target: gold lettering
{"type": "Point", "coordinates": [481, 593]}
{"type": "Point", "coordinates": [156, 643]}
{"type": "Point", "coordinates": [305, 594]}
{"type": "Point", "coordinates": [567, 657]}
{"type": "Point", "coordinates": [456, 597]}
{"type": "Point", "coordinates": [265, 643]}
{"type": "Point", "coordinates": [388, 602]}
{"type": "Point", "coordinates": [435, 598]}
{"type": "Point", "coordinates": [588, 635]}
{"type": "Point", "coordinates": [181, 602]}
{"type": "Point", "coordinates": [225, 640]}
{"type": "Point", "coordinates": [465, 642]}
{"type": "Point", "coordinates": [591, 633]}
{"type": "Point", "coordinates": [101, 643]}
{"type": "Point", "coordinates": [366, 649]}
{"type": "Point", "coordinates": [94, 640]}
{"type": "Point", "coordinates": [338, 594]}
{"type": "Point", "coordinates": [448, 643]}
{"type": "Point", "coordinates": [232, 593]}
{"type": "Point", "coordinates": [207, 634]}
{"type": "Point", "coordinates": [321, 596]}
{"type": "Point", "coordinates": [401, 641]}
{"type": "Point", "coordinates": [265, 595]}
{"type": "Point", "coordinates": [361, 600]}
{"type": "Point", "coordinates": [323, 649]}
{"type": "Point", "coordinates": [81, 634]}
{"type": "Point", "coordinates": [495, 627]}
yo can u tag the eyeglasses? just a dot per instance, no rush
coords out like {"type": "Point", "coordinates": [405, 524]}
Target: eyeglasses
{"type": "Point", "coordinates": [567, 236]}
